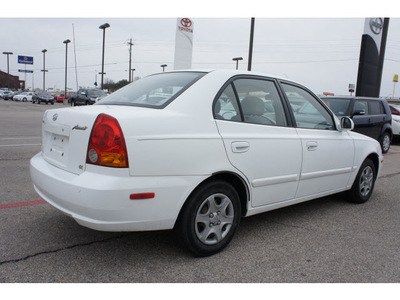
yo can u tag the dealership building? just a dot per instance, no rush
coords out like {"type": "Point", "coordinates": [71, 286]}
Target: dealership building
{"type": "Point", "coordinates": [10, 81]}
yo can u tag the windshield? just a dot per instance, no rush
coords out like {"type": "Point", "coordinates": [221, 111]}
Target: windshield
{"type": "Point", "coordinates": [155, 91]}
{"type": "Point", "coordinates": [338, 106]}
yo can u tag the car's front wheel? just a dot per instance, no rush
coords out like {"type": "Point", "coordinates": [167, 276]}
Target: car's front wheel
{"type": "Point", "coordinates": [209, 218]}
{"type": "Point", "coordinates": [364, 183]}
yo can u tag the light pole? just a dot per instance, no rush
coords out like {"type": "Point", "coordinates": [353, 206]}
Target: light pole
{"type": "Point", "coordinates": [66, 42]}
{"type": "Point", "coordinates": [130, 60]}
{"type": "Point", "coordinates": [8, 61]}
{"type": "Point", "coordinates": [44, 69]}
{"type": "Point", "coordinates": [237, 61]}
{"type": "Point", "coordinates": [163, 67]}
{"type": "Point", "coordinates": [103, 27]}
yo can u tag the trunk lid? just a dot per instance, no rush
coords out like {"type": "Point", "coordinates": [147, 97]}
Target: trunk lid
{"type": "Point", "coordinates": [65, 137]}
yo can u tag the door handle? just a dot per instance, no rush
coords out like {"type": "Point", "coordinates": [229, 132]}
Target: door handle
{"type": "Point", "coordinates": [312, 146]}
{"type": "Point", "coordinates": [240, 147]}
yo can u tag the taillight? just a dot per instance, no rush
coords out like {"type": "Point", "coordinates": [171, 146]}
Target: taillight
{"type": "Point", "coordinates": [107, 144]}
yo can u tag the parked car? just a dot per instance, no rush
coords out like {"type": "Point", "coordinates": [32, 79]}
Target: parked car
{"type": "Point", "coordinates": [24, 96]}
{"type": "Point", "coordinates": [371, 116]}
{"type": "Point", "coordinates": [195, 151]}
{"type": "Point", "coordinates": [87, 96]}
{"type": "Point", "coordinates": [43, 97]}
{"type": "Point", "coordinates": [6, 95]}
{"type": "Point", "coordinates": [395, 109]}
{"type": "Point", "coordinates": [59, 97]}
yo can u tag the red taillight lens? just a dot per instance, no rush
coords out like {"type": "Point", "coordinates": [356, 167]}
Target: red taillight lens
{"type": "Point", "coordinates": [107, 144]}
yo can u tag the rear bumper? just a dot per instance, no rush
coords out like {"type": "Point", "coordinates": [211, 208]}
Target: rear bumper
{"type": "Point", "coordinates": [102, 202]}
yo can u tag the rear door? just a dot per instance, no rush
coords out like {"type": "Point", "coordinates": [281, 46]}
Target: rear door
{"type": "Point", "coordinates": [253, 124]}
{"type": "Point", "coordinates": [378, 117]}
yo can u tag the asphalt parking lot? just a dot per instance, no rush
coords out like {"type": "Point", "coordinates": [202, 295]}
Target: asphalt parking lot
{"type": "Point", "coordinates": [325, 240]}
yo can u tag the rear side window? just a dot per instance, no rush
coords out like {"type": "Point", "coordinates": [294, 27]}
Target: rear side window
{"type": "Point", "coordinates": [376, 108]}
{"type": "Point", "coordinates": [155, 91]}
{"type": "Point", "coordinates": [226, 107]}
{"type": "Point", "coordinates": [258, 99]}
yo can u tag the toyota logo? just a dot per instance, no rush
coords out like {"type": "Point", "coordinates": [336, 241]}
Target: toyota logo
{"type": "Point", "coordinates": [376, 25]}
{"type": "Point", "coordinates": [186, 22]}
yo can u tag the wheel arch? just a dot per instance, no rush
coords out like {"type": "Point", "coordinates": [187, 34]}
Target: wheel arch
{"type": "Point", "coordinates": [232, 178]}
{"type": "Point", "coordinates": [375, 159]}
{"type": "Point", "coordinates": [386, 128]}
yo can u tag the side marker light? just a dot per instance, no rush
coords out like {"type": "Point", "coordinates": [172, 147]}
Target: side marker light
{"type": "Point", "coordinates": [142, 196]}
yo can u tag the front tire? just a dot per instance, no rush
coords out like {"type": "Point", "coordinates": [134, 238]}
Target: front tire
{"type": "Point", "coordinates": [364, 183]}
{"type": "Point", "coordinates": [209, 218]}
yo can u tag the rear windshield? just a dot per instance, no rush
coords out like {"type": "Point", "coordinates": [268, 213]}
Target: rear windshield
{"type": "Point", "coordinates": [338, 106]}
{"type": "Point", "coordinates": [96, 93]}
{"type": "Point", "coordinates": [155, 91]}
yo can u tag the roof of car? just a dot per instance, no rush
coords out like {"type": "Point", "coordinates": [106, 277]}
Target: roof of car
{"type": "Point", "coordinates": [351, 97]}
{"type": "Point", "coordinates": [230, 72]}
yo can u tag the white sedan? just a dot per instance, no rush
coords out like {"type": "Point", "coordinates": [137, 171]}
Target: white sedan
{"type": "Point", "coordinates": [196, 151]}
{"type": "Point", "coordinates": [395, 109]}
{"type": "Point", "coordinates": [25, 96]}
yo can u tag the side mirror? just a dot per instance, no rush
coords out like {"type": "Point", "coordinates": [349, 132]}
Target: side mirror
{"type": "Point", "coordinates": [346, 124]}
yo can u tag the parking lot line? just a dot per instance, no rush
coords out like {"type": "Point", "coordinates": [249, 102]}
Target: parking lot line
{"type": "Point", "coordinates": [19, 204]}
{"type": "Point", "coordinates": [391, 153]}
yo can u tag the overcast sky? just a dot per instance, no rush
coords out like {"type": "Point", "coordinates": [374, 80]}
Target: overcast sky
{"type": "Point", "coordinates": [319, 52]}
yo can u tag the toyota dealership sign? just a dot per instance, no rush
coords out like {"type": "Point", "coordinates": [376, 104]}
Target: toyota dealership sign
{"type": "Point", "coordinates": [183, 44]}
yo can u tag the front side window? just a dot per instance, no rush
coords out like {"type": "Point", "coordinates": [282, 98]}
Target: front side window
{"type": "Point", "coordinates": [361, 106]}
{"type": "Point", "coordinates": [155, 91]}
{"type": "Point", "coordinates": [308, 112]}
{"type": "Point", "coordinates": [338, 106]}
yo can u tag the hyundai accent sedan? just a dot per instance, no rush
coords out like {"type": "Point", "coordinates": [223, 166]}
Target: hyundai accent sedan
{"type": "Point", "coordinates": [195, 152]}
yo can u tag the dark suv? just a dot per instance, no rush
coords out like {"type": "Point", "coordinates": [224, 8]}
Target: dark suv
{"type": "Point", "coordinates": [371, 116]}
{"type": "Point", "coordinates": [87, 96]}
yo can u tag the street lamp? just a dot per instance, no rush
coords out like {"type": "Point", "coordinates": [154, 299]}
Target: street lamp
{"type": "Point", "coordinates": [44, 69]}
{"type": "Point", "coordinates": [163, 67]}
{"type": "Point", "coordinates": [65, 101]}
{"type": "Point", "coordinates": [8, 61]}
{"type": "Point", "coordinates": [237, 61]}
{"type": "Point", "coordinates": [103, 27]}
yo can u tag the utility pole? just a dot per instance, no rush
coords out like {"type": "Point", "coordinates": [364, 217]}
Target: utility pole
{"type": "Point", "coordinates": [130, 60]}
{"type": "Point", "coordinates": [251, 45]}
{"type": "Point", "coordinates": [8, 61]}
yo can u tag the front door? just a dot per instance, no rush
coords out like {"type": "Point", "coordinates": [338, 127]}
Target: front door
{"type": "Point", "coordinates": [327, 153]}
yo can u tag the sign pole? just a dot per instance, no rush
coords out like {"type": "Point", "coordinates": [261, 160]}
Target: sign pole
{"type": "Point", "coordinates": [395, 79]}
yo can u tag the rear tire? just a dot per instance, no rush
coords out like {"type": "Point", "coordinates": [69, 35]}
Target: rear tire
{"type": "Point", "coordinates": [385, 142]}
{"type": "Point", "coordinates": [364, 183]}
{"type": "Point", "coordinates": [209, 218]}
